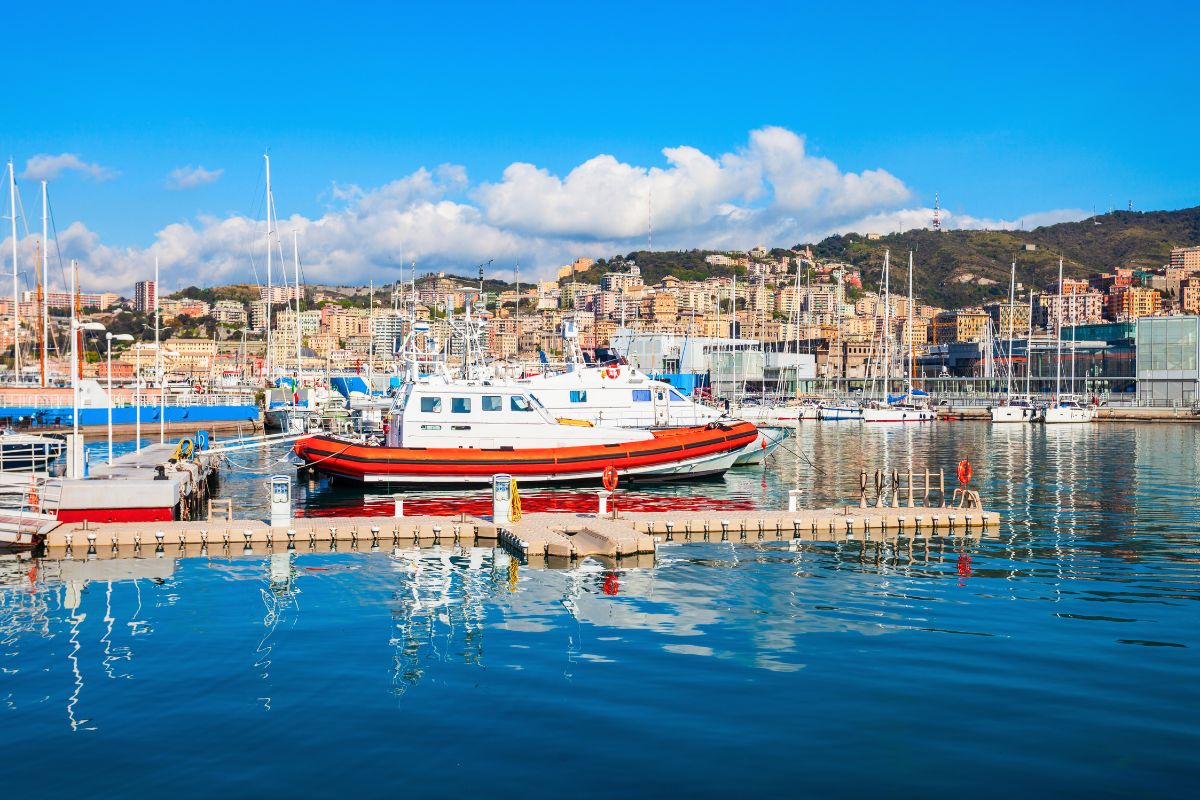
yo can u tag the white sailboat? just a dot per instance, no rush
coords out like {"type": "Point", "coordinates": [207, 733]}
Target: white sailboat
{"type": "Point", "coordinates": [1020, 407]}
{"type": "Point", "coordinates": [906, 407]}
{"type": "Point", "coordinates": [1067, 408]}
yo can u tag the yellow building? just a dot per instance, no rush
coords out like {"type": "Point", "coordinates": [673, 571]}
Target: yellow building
{"type": "Point", "coordinates": [949, 327]}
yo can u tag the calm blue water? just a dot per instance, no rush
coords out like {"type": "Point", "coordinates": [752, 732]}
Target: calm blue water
{"type": "Point", "coordinates": [1059, 658]}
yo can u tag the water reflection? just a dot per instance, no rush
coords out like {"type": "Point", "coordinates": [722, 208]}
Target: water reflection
{"type": "Point", "coordinates": [1091, 575]}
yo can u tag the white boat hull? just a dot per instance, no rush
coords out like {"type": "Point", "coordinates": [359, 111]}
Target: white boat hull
{"type": "Point", "coordinates": [898, 415]}
{"type": "Point", "coordinates": [757, 451]}
{"type": "Point", "coordinates": [1012, 414]}
{"type": "Point", "coordinates": [1066, 416]}
{"type": "Point", "coordinates": [839, 413]}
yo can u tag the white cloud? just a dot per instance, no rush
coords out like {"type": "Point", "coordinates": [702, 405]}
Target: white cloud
{"type": "Point", "coordinates": [770, 191]}
{"type": "Point", "coordinates": [909, 218]}
{"type": "Point", "coordinates": [190, 177]}
{"type": "Point", "coordinates": [45, 167]}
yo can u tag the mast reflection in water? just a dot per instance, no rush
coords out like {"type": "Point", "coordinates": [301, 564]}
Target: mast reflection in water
{"type": "Point", "coordinates": [1058, 654]}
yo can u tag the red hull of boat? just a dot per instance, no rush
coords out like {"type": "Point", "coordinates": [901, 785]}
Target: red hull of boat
{"type": "Point", "coordinates": [412, 464]}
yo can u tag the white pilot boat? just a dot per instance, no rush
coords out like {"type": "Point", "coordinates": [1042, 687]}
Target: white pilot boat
{"type": "Point", "coordinates": [464, 432]}
{"type": "Point", "coordinates": [620, 396]}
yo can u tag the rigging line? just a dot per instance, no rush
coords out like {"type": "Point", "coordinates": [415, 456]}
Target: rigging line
{"type": "Point", "coordinates": [62, 270]}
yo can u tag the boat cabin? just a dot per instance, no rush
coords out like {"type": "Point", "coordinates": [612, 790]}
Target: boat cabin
{"type": "Point", "coordinates": [483, 415]}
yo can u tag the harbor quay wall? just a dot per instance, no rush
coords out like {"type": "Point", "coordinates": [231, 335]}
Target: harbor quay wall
{"type": "Point", "coordinates": [128, 415]}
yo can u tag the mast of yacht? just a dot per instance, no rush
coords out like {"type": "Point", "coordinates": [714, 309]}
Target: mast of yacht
{"type": "Point", "coordinates": [908, 332]}
{"type": "Point", "coordinates": [158, 360]}
{"type": "Point", "coordinates": [296, 267]}
{"type": "Point", "coordinates": [270, 298]}
{"type": "Point", "coordinates": [1012, 301]}
{"type": "Point", "coordinates": [12, 199]}
{"type": "Point", "coordinates": [44, 283]}
{"type": "Point", "coordinates": [886, 354]}
{"type": "Point", "coordinates": [1058, 337]}
{"type": "Point", "coordinates": [1029, 346]}
{"type": "Point", "coordinates": [1074, 336]}
{"type": "Point", "coordinates": [371, 328]}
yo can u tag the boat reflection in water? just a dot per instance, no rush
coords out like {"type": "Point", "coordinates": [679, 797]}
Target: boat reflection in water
{"type": "Point", "coordinates": [442, 602]}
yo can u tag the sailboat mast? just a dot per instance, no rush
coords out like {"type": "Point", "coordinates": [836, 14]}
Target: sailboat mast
{"type": "Point", "coordinates": [908, 332]}
{"type": "Point", "coordinates": [887, 322]}
{"type": "Point", "coordinates": [1058, 336]}
{"type": "Point", "coordinates": [44, 284]}
{"type": "Point", "coordinates": [12, 200]}
{"type": "Point", "coordinates": [296, 266]}
{"type": "Point", "coordinates": [1029, 346]}
{"type": "Point", "coordinates": [1012, 301]}
{"type": "Point", "coordinates": [270, 298]}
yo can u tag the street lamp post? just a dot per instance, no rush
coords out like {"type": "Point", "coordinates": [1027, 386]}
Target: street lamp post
{"type": "Point", "coordinates": [109, 338]}
{"type": "Point", "coordinates": [137, 390]}
{"type": "Point", "coordinates": [77, 329]}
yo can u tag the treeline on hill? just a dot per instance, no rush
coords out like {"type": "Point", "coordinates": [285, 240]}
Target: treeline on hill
{"type": "Point", "coordinates": [960, 268]}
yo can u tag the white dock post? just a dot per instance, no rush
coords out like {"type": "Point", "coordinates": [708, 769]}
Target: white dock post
{"type": "Point", "coordinates": [398, 499]}
{"type": "Point", "coordinates": [502, 499]}
{"type": "Point", "coordinates": [603, 496]}
{"type": "Point", "coordinates": [793, 500]}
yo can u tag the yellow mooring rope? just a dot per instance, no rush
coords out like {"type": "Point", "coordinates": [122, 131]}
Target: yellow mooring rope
{"type": "Point", "coordinates": [516, 502]}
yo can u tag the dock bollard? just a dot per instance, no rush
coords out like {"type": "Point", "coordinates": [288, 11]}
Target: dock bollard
{"type": "Point", "coordinates": [603, 496]}
{"type": "Point", "coordinates": [793, 500]}
{"type": "Point", "coordinates": [724, 530]}
{"type": "Point", "coordinates": [398, 499]}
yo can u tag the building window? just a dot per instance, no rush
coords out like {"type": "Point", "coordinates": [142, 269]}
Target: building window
{"type": "Point", "coordinates": [431, 405]}
{"type": "Point", "coordinates": [519, 403]}
{"type": "Point", "coordinates": [491, 402]}
{"type": "Point", "coordinates": [460, 405]}
{"type": "Point", "coordinates": [578, 395]}
{"type": "Point", "coordinates": [641, 395]}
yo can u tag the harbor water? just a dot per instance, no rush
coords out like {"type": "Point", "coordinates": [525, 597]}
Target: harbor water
{"type": "Point", "coordinates": [1057, 656]}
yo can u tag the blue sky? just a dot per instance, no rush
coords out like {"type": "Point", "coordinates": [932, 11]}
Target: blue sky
{"type": "Point", "coordinates": [1006, 110]}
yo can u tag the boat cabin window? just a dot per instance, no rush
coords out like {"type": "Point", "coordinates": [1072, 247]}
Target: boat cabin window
{"type": "Point", "coordinates": [578, 395]}
{"type": "Point", "coordinates": [519, 403]}
{"type": "Point", "coordinates": [492, 402]}
{"type": "Point", "coordinates": [431, 405]}
{"type": "Point", "coordinates": [641, 395]}
{"type": "Point", "coordinates": [676, 397]}
{"type": "Point", "coordinates": [460, 405]}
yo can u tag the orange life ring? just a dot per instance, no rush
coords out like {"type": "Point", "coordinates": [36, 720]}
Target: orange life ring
{"type": "Point", "coordinates": [964, 472]}
{"type": "Point", "coordinates": [610, 478]}
{"type": "Point", "coordinates": [612, 372]}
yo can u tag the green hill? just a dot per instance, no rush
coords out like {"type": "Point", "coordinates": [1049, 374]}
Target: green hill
{"type": "Point", "coordinates": [960, 268]}
{"type": "Point", "coordinates": [956, 268]}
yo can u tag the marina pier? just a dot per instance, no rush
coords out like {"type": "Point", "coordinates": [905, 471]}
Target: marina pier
{"type": "Point", "coordinates": [539, 539]}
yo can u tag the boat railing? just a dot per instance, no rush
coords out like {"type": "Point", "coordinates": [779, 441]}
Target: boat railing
{"type": "Point", "coordinates": [147, 398]}
{"type": "Point", "coordinates": [30, 492]}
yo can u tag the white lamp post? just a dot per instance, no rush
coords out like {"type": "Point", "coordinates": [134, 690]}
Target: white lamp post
{"type": "Point", "coordinates": [109, 338]}
{"type": "Point", "coordinates": [77, 328]}
{"type": "Point", "coordinates": [137, 390]}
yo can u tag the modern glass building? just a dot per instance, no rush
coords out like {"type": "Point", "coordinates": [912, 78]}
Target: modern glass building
{"type": "Point", "coordinates": [1168, 354]}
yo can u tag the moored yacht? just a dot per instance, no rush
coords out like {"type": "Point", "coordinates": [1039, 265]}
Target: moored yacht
{"type": "Point", "coordinates": [1018, 408]}
{"type": "Point", "coordinates": [1068, 408]}
{"type": "Point", "coordinates": [618, 395]}
{"type": "Point", "coordinates": [21, 452]}
{"type": "Point", "coordinates": [839, 411]}
{"type": "Point", "coordinates": [463, 433]}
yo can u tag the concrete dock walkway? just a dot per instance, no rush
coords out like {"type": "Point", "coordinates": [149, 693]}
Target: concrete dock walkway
{"type": "Point", "coordinates": [537, 538]}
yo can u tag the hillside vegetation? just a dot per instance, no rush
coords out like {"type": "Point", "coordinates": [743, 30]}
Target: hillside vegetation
{"type": "Point", "coordinates": [956, 268]}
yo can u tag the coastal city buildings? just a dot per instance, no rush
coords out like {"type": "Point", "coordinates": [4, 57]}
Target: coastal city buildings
{"type": "Point", "coordinates": [763, 320]}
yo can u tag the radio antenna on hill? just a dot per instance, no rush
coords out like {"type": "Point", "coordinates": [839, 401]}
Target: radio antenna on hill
{"type": "Point", "coordinates": [937, 213]}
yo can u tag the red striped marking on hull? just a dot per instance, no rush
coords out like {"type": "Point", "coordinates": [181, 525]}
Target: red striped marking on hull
{"type": "Point", "coordinates": [404, 463]}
